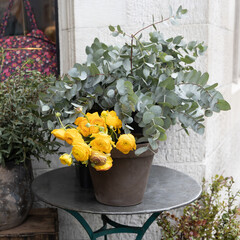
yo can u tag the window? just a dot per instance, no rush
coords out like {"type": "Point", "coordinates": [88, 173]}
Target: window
{"type": "Point", "coordinates": [45, 15]}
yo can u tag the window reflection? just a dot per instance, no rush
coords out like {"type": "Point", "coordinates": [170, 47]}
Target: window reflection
{"type": "Point", "coordinates": [44, 12]}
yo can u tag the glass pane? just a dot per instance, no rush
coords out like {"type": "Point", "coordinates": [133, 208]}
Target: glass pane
{"type": "Point", "coordinates": [15, 20]}
{"type": "Point", "coordinates": [43, 10]}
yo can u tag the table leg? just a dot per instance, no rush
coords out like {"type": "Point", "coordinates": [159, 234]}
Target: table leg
{"type": "Point", "coordinates": [147, 224]}
{"type": "Point", "coordinates": [104, 226]}
{"type": "Point", "coordinates": [117, 227]}
{"type": "Point", "coordinates": [83, 223]}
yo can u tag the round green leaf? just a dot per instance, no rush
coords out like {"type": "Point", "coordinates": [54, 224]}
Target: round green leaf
{"type": "Point", "coordinates": [148, 117]}
{"type": "Point", "coordinates": [83, 75]}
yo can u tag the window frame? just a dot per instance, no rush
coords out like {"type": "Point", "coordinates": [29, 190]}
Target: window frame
{"type": "Point", "coordinates": [66, 34]}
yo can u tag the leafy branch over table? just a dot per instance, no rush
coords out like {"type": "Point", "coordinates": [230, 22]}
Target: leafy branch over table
{"type": "Point", "coordinates": [151, 84]}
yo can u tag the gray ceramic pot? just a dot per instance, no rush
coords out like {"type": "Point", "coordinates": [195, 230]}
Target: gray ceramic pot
{"type": "Point", "coordinates": [15, 194]}
{"type": "Point", "coordinates": [125, 183]}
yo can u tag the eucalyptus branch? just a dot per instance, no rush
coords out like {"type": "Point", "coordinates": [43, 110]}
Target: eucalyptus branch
{"type": "Point", "coordinates": [99, 74]}
{"type": "Point", "coordinates": [151, 25]}
{"type": "Point", "coordinates": [131, 58]}
{"type": "Point", "coordinates": [189, 116]}
{"type": "Point", "coordinates": [133, 36]}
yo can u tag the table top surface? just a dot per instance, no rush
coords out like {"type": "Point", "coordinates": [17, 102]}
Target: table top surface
{"type": "Point", "coordinates": [167, 189]}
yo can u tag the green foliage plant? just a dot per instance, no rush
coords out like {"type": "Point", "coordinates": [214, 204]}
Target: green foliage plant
{"type": "Point", "coordinates": [151, 84]}
{"type": "Point", "coordinates": [213, 216]}
{"type": "Point", "coordinates": [23, 135]}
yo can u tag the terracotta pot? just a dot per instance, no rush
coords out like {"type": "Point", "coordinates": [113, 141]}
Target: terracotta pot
{"type": "Point", "coordinates": [125, 183]}
{"type": "Point", "coordinates": [15, 194]}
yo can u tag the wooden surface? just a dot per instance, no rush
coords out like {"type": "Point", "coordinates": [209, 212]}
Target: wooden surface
{"type": "Point", "coordinates": [41, 224]}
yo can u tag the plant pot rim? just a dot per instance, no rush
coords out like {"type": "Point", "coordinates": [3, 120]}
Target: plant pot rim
{"type": "Point", "coordinates": [132, 154]}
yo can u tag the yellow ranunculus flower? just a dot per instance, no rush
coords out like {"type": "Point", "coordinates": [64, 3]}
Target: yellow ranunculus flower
{"type": "Point", "coordinates": [126, 143]}
{"type": "Point", "coordinates": [59, 133]}
{"type": "Point", "coordinates": [81, 123]}
{"type": "Point", "coordinates": [81, 152]}
{"type": "Point", "coordinates": [66, 159]}
{"type": "Point", "coordinates": [98, 158]}
{"type": "Point", "coordinates": [111, 119]}
{"type": "Point", "coordinates": [77, 141]}
{"type": "Point", "coordinates": [92, 116]}
{"type": "Point", "coordinates": [102, 142]}
{"type": "Point", "coordinates": [94, 119]}
{"type": "Point", "coordinates": [71, 135]}
{"type": "Point", "coordinates": [106, 166]}
{"type": "Point", "coordinates": [99, 122]}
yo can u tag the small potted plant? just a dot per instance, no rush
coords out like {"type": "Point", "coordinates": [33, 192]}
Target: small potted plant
{"type": "Point", "coordinates": [23, 138]}
{"type": "Point", "coordinates": [150, 84]}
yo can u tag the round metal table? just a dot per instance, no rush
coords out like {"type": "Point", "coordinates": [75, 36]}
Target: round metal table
{"type": "Point", "coordinates": [167, 189]}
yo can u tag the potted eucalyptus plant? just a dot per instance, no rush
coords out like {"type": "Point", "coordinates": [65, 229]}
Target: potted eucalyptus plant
{"type": "Point", "coordinates": [150, 84]}
{"type": "Point", "coordinates": [22, 139]}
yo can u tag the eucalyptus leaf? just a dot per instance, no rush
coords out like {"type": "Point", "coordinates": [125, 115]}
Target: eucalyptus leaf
{"type": "Point", "coordinates": [141, 150]}
{"type": "Point", "coordinates": [111, 28]}
{"type": "Point", "coordinates": [203, 79]}
{"type": "Point", "coordinates": [153, 143]}
{"type": "Point", "coordinates": [45, 108]}
{"type": "Point", "coordinates": [110, 93]}
{"type": "Point", "coordinates": [208, 113]}
{"type": "Point", "coordinates": [148, 117]}
{"type": "Point", "coordinates": [188, 59]}
{"type": "Point", "coordinates": [162, 137]}
{"type": "Point", "coordinates": [50, 125]}
{"type": "Point", "coordinates": [73, 72]}
{"type": "Point", "coordinates": [223, 105]}
{"type": "Point", "coordinates": [211, 87]}
{"type": "Point", "coordinates": [83, 75]}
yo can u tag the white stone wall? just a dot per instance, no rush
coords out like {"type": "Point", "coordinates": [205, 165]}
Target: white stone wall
{"type": "Point", "coordinates": [222, 133]}
{"type": "Point", "coordinates": [211, 21]}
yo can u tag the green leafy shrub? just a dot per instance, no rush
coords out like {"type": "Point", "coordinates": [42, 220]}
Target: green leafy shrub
{"type": "Point", "coordinates": [23, 135]}
{"type": "Point", "coordinates": [213, 216]}
{"type": "Point", "coordinates": [150, 84]}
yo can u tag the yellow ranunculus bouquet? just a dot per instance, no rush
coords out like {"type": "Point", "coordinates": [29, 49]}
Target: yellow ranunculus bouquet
{"type": "Point", "coordinates": [93, 137]}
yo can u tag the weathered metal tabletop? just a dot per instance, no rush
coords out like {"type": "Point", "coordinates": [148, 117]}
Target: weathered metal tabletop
{"type": "Point", "coordinates": [167, 189]}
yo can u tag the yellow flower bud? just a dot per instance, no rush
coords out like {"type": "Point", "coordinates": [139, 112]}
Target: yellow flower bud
{"type": "Point", "coordinates": [59, 133]}
{"type": "Point", "coordinates": [106, 166]}
{"type": "Point", "coordinates": [58, 114]}
{"type": "Point", "coordinates": [66, 159]}
{"type": "Point", "coordinates": [98, 158]}
{"type": "Point", "coordinates": [104, 113]}
{"type": "Point", "coordinates": [79, 109]}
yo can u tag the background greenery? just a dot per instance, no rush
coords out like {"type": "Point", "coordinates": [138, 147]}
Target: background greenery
{"type": "Point", "coordinates": [23, 134]}
{"type": "Point", "coordinates": [214, 216]}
